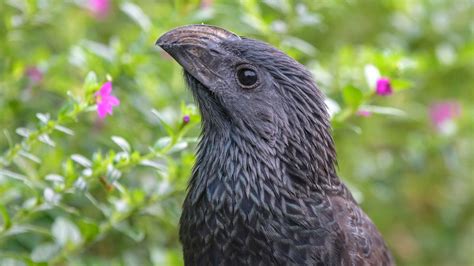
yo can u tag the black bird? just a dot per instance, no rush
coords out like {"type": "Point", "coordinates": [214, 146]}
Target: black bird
{"type": "Point", "coordinates": [264, 189]}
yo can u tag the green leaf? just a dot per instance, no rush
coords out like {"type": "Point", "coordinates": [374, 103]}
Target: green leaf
{"type": "Point", "coordinates": [69, 171]}
{"type": "Point", "coordinates": [50, 196]}
{"type": "Point", "coordinates": [122, 143]}
{"type": "Point", "coordinates": [352, 96]}
{"type": "Point", "coordinates": [47, 140]}
{"type": "Point", "coordinates": [65, 232]}
{"type": "Point", "coordinates": [10, 174]}
{"type": "Point", "coordinates": [44, 118]}
{"type": "Point", "coordinates": [134, 233]}
{"type": "Point", "coordinates": [44, 252]}
{"type": "Point", "coordinates": [137, 14]}
{"type": "Point", "coordinates": [384, 110]}
{"type": "Point", "coordinates": [189, 109]}
{"type": "Point", "coordinates": [163, 122]}
{"type": "Point", "coordinates": [55, 178]}
{"type": "Point", "coordinates": [5, 217]}
{"type": "Point", "coordinates": [372, 74]}
{"type": "Point", "coordinates": [29, 156]}
{"type": "Point", "coordinates": [89, 230]}
{"type": "Point", "coordinates": [157, 165]}
{"type": "Point", "coordinates": [299, 44]}
{"type": "Point", "coordinates": [162, 143]}
{"type": "Point", "coordinates": [68, 107]}
{"type": "Point", "coordinates": [64, 129]}
{"type": "Point", "coordinates": [178, 147]}
{"type": "Point", "coordinates": [81, 160]}
{"type": "Point", "coordinates": [90, 83]}
{"type": "Point", "coordinates": [24, 132]}
{"type": "Point", "coordinates": [99, 49]}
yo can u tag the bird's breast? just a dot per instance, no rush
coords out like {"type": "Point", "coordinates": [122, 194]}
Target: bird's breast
{"type": "Point", "coordinates": [272, 227]}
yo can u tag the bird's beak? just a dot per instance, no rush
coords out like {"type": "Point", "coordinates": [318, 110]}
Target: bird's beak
{"type": "Point", "coordinates": [197, 48]}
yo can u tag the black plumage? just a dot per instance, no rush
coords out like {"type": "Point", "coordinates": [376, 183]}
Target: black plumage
{"type": "Point", "coordinates": [264, 189]}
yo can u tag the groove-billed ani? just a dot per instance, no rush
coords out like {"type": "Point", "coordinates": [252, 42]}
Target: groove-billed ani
{"type": "Point", "coordinates": [264, 189]}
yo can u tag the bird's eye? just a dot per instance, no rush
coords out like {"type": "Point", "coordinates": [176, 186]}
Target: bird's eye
{"type": "Point", "coordinates": [247, 77]}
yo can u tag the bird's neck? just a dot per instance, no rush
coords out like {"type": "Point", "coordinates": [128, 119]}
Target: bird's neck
{"type": "Point", "coordinates": [229, 167]}
{"type": "Point", "coordinates": [309, 154]}
{"type": "Point", "coordinates": [230, 164]}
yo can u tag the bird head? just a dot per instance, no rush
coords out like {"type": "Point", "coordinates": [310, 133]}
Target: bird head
{"type": "Point", "coordinates": [252, 89]}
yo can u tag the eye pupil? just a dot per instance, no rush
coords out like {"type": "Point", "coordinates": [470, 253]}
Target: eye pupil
{"type": "Point", "coordinates": [247, 77]}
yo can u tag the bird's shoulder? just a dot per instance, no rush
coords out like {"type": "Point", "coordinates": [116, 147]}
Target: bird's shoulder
{"type": "Point", "coordinates": [363, 243]}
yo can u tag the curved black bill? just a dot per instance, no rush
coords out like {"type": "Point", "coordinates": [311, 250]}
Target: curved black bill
{"type": "Point", "coordinates": [197, 49]}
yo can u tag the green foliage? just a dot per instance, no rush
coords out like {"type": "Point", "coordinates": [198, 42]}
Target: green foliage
{"type": "Point", "coordinates": [78, 190]}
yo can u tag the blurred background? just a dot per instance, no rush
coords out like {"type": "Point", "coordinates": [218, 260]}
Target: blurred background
{"type": "Point", "coordinates": [79, 190]}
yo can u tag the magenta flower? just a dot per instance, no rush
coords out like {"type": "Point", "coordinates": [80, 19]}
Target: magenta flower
{"type": "Point", "coordinates": [186, 119]}
{"type": "Point", "coordinates": [105, 100]}
{"type": "Point", "coordinates": [34, 74]}
{"type": "Point", "coordinates": [99, 8]}
{"type": "Point", "coordinates": [443, 113]}
{"type": "Point", "coordinates": [383, 87]}
{"type": "Point", "coordinates": [206, 4]}
{"type": "Point", "coordinates": [363, 113]}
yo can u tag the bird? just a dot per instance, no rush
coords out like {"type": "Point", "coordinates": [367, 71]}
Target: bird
{"type": "Point", "coordinates": [264, 189]}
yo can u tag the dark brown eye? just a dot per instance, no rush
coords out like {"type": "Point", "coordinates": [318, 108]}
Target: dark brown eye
{"type": "Point", "coordinates": [247, 77]}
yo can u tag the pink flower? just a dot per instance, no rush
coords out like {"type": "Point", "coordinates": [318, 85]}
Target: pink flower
{"type": "Point", "coordinates": [105, 100]}
{"type": "Point", "coordinates": [363, 113]}
{"type": "Point", "coordinates": [442, 114]}
{"type": "Point", "coordinates": [186, 119]}
{"type": "Point", "coordinates": [34, 74]}
{"type": "Point", "coordinates": [100, 8]}
{"type": "Point", "coordinates": [383, 87]}
{"type": "Point", "coordinates": [206, 4]}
